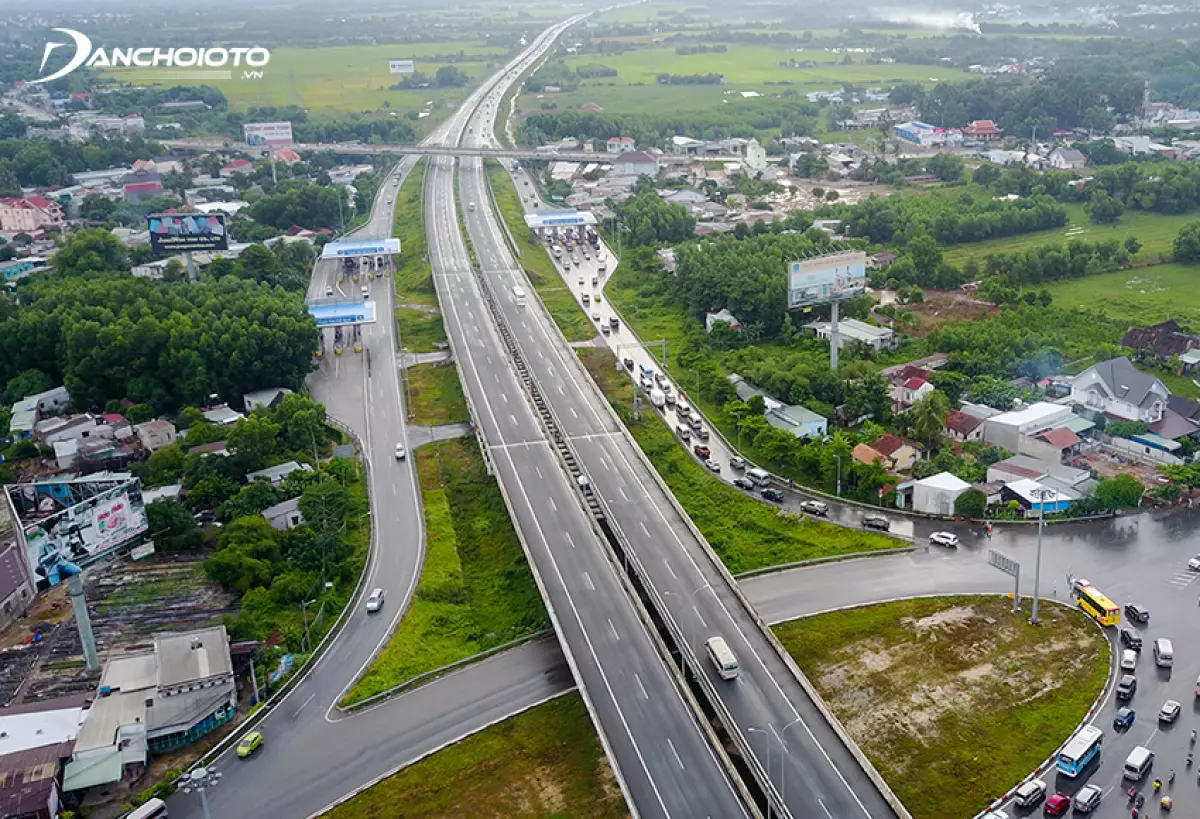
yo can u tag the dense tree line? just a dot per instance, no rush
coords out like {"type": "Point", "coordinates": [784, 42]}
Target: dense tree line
{"type": "Point", "coordinates": [106, 335]}
{"type": "Point", "coordinates": [42, 162]}
{"type": "Point", "coordinates": [648, 219]}
{"type": "Point", "coordinates": [663, 78]}
{"type": "Point", "coordinates": [555, 73]}
{"type": "Point", "coordinates": [297, 202]}
{"type": "Point", "coordinates": [1163, 187]}
{"type": "Point", "coordinates": [948, 218]}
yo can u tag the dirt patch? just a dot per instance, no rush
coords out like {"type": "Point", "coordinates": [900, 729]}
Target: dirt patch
{"type": "Point", "coordinates": [930, 690]}
{"type": "Point", "coordinates": [942, 306]}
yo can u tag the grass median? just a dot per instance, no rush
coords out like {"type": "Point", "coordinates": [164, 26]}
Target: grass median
{"type": "Point", "coordinates": [746, 533]}
{"type": "Point", "coordinates": [437, 396]}
{"type": "Point", "coordinates": [545, 762]}
{"type": "Point", "coordinates": [417, 317]}
{"type": "Point", "coordinates": [953, 699]}
{"type": "Point", "coordinates": [476, 591]}
{"type": "Point", "coordinates": [550, 287]}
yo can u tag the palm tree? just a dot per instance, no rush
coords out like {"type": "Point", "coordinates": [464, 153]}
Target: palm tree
{"type": "Point", "coordinates": [929, 417]}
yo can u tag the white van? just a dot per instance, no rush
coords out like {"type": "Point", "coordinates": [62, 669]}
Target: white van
{"type": "Point", "coordinates": [722, 657]}
{"type": "Point", "coordinates": [1137, 763]}
{"type": "Point", "coordinates": [760, 476]}
{"type": "Point", "coordinates": [1164, 653]}
{"type": "Point", "coordinates": [519, 295]}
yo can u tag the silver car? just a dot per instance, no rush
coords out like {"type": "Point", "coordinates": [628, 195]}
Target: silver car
{"type": "Point", "coordinates": [375, 600]}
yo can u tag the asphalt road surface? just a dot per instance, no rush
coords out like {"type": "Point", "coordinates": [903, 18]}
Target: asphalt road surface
{"type": "Point", "coordinates": [765, 701]}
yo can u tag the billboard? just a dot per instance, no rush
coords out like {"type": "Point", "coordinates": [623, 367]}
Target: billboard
{"type": "Point", "coordinates": [75, 522]}
{"type": "Point", "coordinates": [401, 66]}
{"type": "Point", "coordinates": [342, 314]}
{"type": "Point", "coordinates": [179, 232]}
{"type": "Point", "coordinates": [827, 278]}
{"type": "Point", "coordinates": [362, 247]}
{"type": "Point", "coordinates": [268, 133]}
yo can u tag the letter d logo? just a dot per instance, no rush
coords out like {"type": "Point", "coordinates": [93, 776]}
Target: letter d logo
{"type": "Point", "coordinates": [83, 48]}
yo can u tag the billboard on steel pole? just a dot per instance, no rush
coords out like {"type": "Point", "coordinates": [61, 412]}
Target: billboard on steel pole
{"type": "Point", "coordinates": [826, 279]}
{"type": "Point", "coordinates": [268, 133]}
{"type": "Point", "coordinates": [182, 232]}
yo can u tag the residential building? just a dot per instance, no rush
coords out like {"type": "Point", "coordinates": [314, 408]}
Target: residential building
{"type": "Point", "coordinates": [879, 261]}
{"type": "Point", "coordinates": [635, 163]}
{"type": "Point", "coordinates": [141, 185]}
{"type": "Point", "coordinates": [801, 422]}
{"type": "Point", "coordinates": [171, 492]}
{"type": "Point", "coordinates": [154, 435]}
{"type": "Point", "coordinates": [287, 156]}
{"type": "Point", "coordinates": [121, 429]}
{"type": "Point", "coordinates": [17, 588]}
{"type": "Point", "coordinates": [877, 338]}
{"type": "Point", "coordinates": [77, 428]}
{"type": "Point", "coordinates": [1067, 479]}
{"type": "Point", "coordinates": [1067, 159]}
{"type": "Point", "coordinates": [1009, 428]}
{"type": "Point", "coordinates": [865, 454]}
{"type": "Point", "coordinates": [963, 427]}
{"type": "Point", "coordinates": [1163, 341]}
{"type": "Point", "coordinates": [219, 448]}
{"type": "Point", "coordinates": [920, 133]}
{"type": "Point", "coordinates": [687, 145]}
{"type": "Point", "coordinates": [899, 453]}
{"type": "Point", "coordinates": [983, 130]}
{"type": "Point", "coordinates": [29, 215]}
{"type": "Point", "coordinates": [24, 418]}
{"type": "Point", "coordinates": [152, 702]}
{"type": "Point", "coordinates": [1117, 389]}
{"type": "Point", "coordinates": [721, 315]}
{"type": "Point", "coordinates": [620, 145]}
{"type": "Point", "coordinates": [756, 157]}
{"type": "Point", "coordinates": [236, 166]}
{"type": "Point", "coordinates": [914, 389]}
{"type": "Point", "coordinates": [936, 494]}
{"type": "Point", "coordinates": [133, 124]}
{"type": "Point", "coordinates": [222, 415]}
{"type": "Point", "coordinates": [1036, 496]}
{"type": "Point", "coordinates": [268, 398]}
{"type": "Point", "coordinates": [284, 516]}
{"type": "Point", "coordinates": [277, 474]}
{"type": "Point", "coordinates": [16, 269]}
{"type": "Point", "coordinates": [36, 739]}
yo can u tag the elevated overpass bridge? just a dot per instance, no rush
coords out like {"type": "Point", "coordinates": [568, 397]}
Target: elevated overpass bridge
{"type": "Point", "coordinates": [200, 145]}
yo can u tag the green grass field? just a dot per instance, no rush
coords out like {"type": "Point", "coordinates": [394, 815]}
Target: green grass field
{"type": "Point", "coordinates": [545, 763]}
{"type": "Point", "coordinates": [420, 328]}
{"type": "Point", "coordinates": [476, 591]}
{"type": "Point", "coordinates": [965, 698]}
{"type": "Point", "coordinates": [747, 534]}
{"type": "Point", "coordinates": [340, 79]}
{"type": "Point", "coordinates": [555, 295]}
{"type": "Point", "coordinates": [1140, 296]}
{"type": "Point", "coordinates": [437, 396]}
{"type": "Point", "coordinates": [1156, 231]}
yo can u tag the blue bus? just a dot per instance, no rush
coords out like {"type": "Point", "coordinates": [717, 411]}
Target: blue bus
{"type": "Point", "coordinates": [1080, 750]}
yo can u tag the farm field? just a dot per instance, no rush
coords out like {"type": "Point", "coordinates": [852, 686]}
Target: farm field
{"type": "Point", "coordinates": [1140, 296]}
{"type": "Point", "coordinates": [1156, 231]}
{"type": "Point", "coordinates": [341, 79]}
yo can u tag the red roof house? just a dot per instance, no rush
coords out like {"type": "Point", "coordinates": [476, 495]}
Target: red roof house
{"type": "Point", "coordinates": [963, 427]}
{"type": "Point", "coordinates": [983, 130]}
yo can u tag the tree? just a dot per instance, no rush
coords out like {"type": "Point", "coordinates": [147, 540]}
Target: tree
{"type": "Point", "coordinates": [1133, 245]}
{"type": "Point", "coordinates": [1187, 244]}
{"type": "Point", "coordinates": [250, 500]}
{"type": "Point", "coordinates": [96, 208]}
{"type": "Point", "coordinates": [972, 503]}
{"type": "Point", "coordinates": [757, 405]}
{"type": "Point", "coordinates": [1104, 209]}
{"type": "Point", "coordinates": [172, 528]}
{"type": "Point", "coordinates": [450, 76]}
{"type": "Point", "coordinates": [953, 384]}
{"type": "Point", "coordinates": [946, 167]}
{"type": "Point", "coordinates": [92, 250]}
{"type": "Point", "coordinates": [929, 417]}
{"type": "Point", "coordinates": [869, 397]}
{"type": "Point", "coordinates": [1120, 492]}
{"type": "Point", "coordinates": [253, 442]}
{"type": "Point", "coordinates": [925, 254]}
{"type": "Point", "coordinates": [27, 383]}
{"type": "Point", "coordinates": [993, 392]}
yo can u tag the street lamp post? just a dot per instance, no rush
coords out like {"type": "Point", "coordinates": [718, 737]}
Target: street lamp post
{"type": "Point", "coordinates": [757, 731]}
{"type": "Point", "coordinates": [200, 780]}
{"type": "Point", "coordinates": [1041, 495]}
{"type": "Point", "coordinates": [839, 475]}
{"type": "Point", "coordinates": [783, 765]}
{"type": "Point", "coordinates": [304, 613]}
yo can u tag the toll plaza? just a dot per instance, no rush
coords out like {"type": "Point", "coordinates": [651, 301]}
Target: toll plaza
{"type": "Point", "coordinates": [339, 316]}
{"type": "Point", "coordinates": [575, 223]}
{"type": "Point", "coordinates": [361, 247]}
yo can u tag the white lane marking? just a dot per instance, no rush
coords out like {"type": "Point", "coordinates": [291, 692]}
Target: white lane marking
{"type": "Point", "coordinates": [827, 813]}
{"type": "Point", "coordinates": [587, 578]}
{"type": "Point", "coordinates": [561, 391]}
{"type": "Point", "coordinates": [504, 395]}
{"type": "Point", "coordinates": [512, 418]}
{"type": "Point", "coordinates": [538, 470]}
{"type": "Point", "coordinates": [570, 539]}
{"type": "Point", "coordinates": [604, 463]}
{"type": "Point", "coordinates": [553, 505]}
{"type": "Point", "coordinates": [701, 616]}
{"type": "Point", "coordinates": [614, 629]}
{"type": "Point", "coordinates": [641, 687]}
{"type": "Point", "coordinates": [574, 413]}
{"type": "Point", "coordinates": [645, 531]}
{"type": "Point", "coordinates": [621, 489]}
{"type": "Point", "coordinates": [669, 569]}
{"type": "Point", "coordinates": [676, 753]}
{"type": "Point", "coordinates": [303, 704]}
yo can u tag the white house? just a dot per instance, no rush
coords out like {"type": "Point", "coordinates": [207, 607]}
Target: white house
{"type": "Point", "coordinates": [635, 163]}
{"type": "Point", "coordinates": [1117, 388]}
{"type": "Point", "coordinates": [1067, 159]}
{"type": "Point", "coordinates": [1008, 428]}
{"type": "Point", "coordinates": [877, 338]}
{"type": "Point", "coordinates": [756, 157]}
{"type": "Point", "coordinates": [284, 516]}
{"type": "Point", "coordinates": [915, 389]}
{"type": "Point", "coordinates": [936, 494]}
{"type": "Point", "coordinates": [620, 145]}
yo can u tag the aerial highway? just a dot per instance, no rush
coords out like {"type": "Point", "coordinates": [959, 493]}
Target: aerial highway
{"type": "Point", "coordinates": [313, 754]}
{"type": "Point", "coordinates": [664, 759]}
{"type": "Point", "coordinates": [770, 709]}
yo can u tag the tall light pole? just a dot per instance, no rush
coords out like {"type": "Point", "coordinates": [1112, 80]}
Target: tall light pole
{"type": "Point", "coordinates": [200, 780]}
{"type": "Point", "coordinates": [754, 731]}
{"type": "Point", "coordinates": [839, 475]}
{"type": "Point", "coordinates": [1041, 495]}
{"type": "Point", "coordinates": [304, 613]}
{"type": "Point", "coordinates": [783, 744]}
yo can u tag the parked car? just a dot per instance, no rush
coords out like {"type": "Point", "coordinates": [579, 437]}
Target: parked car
{"type": "Point", "coordinates": [944, 539]}
{"type": "Point", "coordinates": [772, 495]}
{"type": "Point", "coordinates": [1030, 793]}
{"type": "Point", "coordinates": [1131, 639]}
{"type": "Point", "coordinates": [702, 451]}
{"type": "Point", "coordinates": [1088, 798]}
{"type": "Point", "coordinates": [877, 522]}
{"type": "Point", "coordinates": [1139, 614]}
{"type": "Point", "coordinates": [712, 465]}
{"type": "Point", "coordinates": [743, 483]}
{"type": "Point", "coordinates": [1126, 687]}
{"type": "Point", "coordinates": [1057, 805]}
{"type": "Point", "coordinates": [1169, 712]}
{"type": "Point", "coordinates": [249, 744]}
{"type": "Point", "coordinates": [1123, 718]}
{"type": "Point", "coordinates": [375, 600]}
{"type": "Point", "coordinates": [815, 507]}
{"type": "Point", "coordinates": [1128, 659]}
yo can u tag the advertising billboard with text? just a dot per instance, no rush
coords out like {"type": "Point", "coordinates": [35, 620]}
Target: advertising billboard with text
{"type": "Point", "coordinates": [75, 522]}
{"type": "Point", "coordinates": [401, 66]}
{"type": "Point", "coordinates": [268, 133]}
{"type": "Point", "coordinates": [179, 232]}
{"type": "Point", "coordinates": [827, 278]}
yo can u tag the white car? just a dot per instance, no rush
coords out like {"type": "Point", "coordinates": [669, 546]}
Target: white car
{"type": "Point", "coordinates": [1079, 583]}
{"type": "Point", "coordinates": [401, 454]}
{"type": "Point", "coordinates": [596, 316]}
{"type": "Point", "coordinates": [1170, 711]}
{"type": "Point", "coordinates": [944, 539]}
{"type": "Point", "coordinates": [712, 465]}
{"type": "Point", "coordinates": [375, 600]}
{"type": "Point", "coordinates": [1194, 564]}
{"type": "Point", "coordinates": [1128, 659]}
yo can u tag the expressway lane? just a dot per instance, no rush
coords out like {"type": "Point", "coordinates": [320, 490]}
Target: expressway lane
{"type": "Point", "coordinates": [766, 699]}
